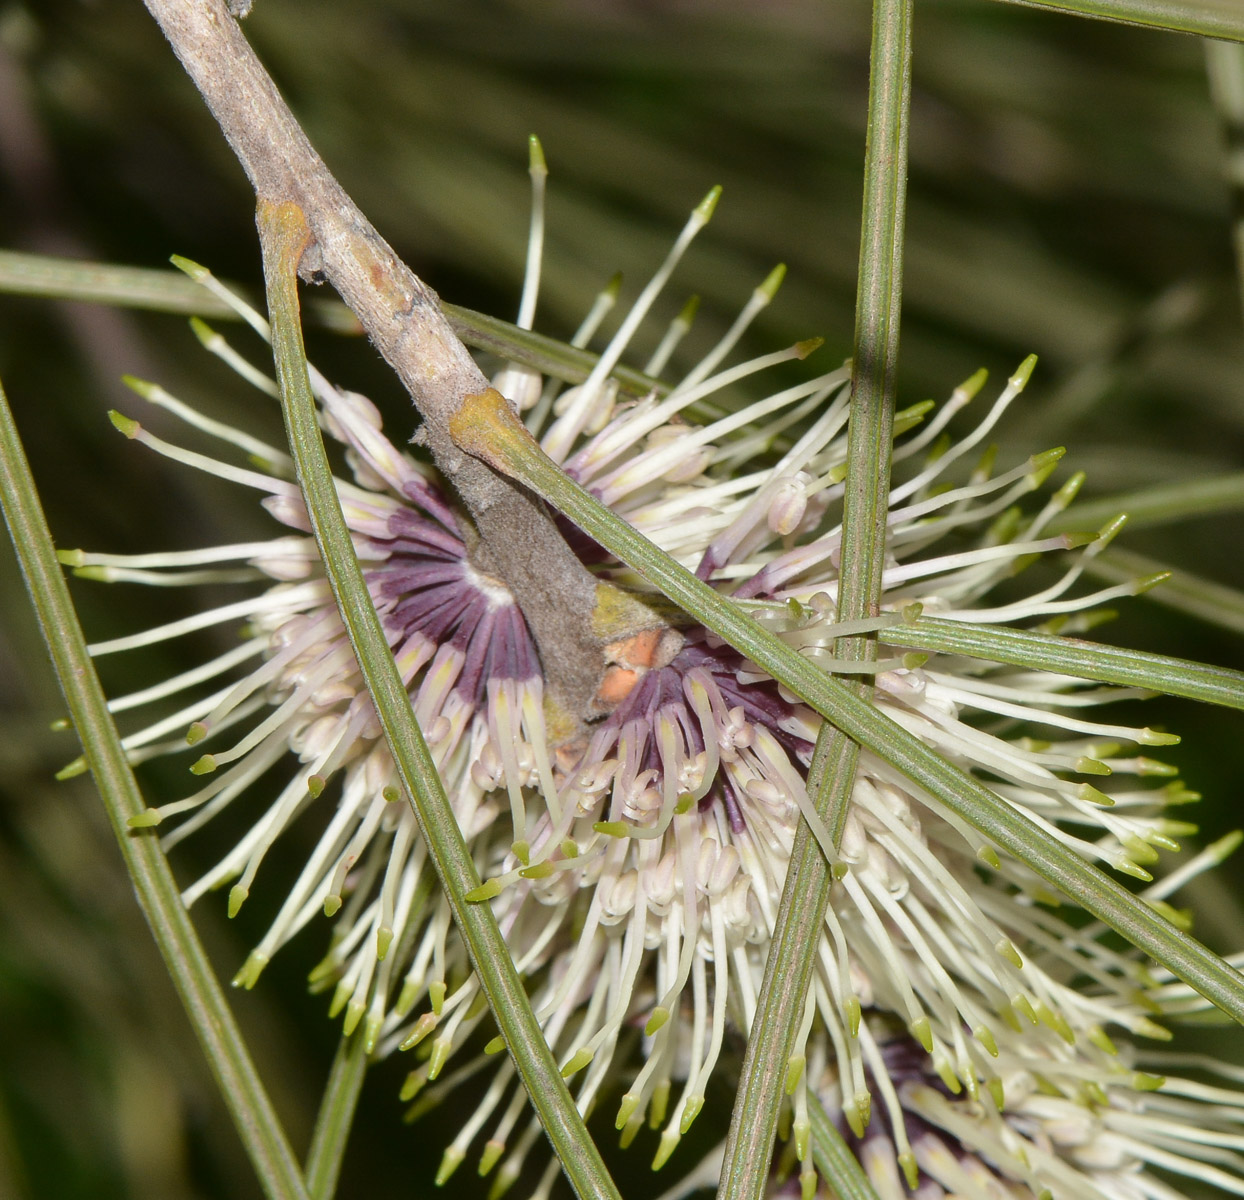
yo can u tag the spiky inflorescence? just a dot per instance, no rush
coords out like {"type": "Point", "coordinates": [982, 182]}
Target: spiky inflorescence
{"type": "Point", "coordinates": [957, 1026]}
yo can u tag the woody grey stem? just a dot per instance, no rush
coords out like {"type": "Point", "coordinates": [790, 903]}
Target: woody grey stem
{"type": "Point", "coordinates": [518, 540]}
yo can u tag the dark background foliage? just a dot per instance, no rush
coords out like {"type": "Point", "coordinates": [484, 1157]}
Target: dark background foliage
{"type": "Point", "coordinates": [1067, 197]}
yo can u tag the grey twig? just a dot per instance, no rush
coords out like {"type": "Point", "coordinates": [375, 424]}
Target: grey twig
{"type": "Point", "coordinates": [517, 540]}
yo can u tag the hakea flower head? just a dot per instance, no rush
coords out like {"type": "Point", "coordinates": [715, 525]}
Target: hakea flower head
{"type": "Point", "coordinates": [636, 867]}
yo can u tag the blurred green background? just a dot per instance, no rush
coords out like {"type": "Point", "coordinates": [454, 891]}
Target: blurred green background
{"type": "Point", "coordinates": [1067, 196]}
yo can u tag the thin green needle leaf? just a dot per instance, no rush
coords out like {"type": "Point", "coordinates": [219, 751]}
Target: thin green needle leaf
{"type": "Point", "coordinates": [485, 427]}
{"type": "Point", "coordinates": [1183, 591]}
{"type": "Point", "coordinates": [1070, 656]}
{"type": "Point", "coordinates": [1225, 64]}
{"type": "Point", "coordinates": [1158, 505]}
{"type": "Point", "coordinates": [1209, 18]}
{"type": "Point", "coordinates": [283, 237]}
{"type": "Point", "coordinates": [153, 289]}
{"type": "Point", "coordinates": [798, 928]}
{"type": "Point", "coordinates": [158, 895]}
{"type": "Point", "coordinates": [544, 354]}
{"type": "Point", "coordinates": [336, 1116]}
{"type": "Point", "coordinates": [834, 1158]}
{"type": "Point", "coordinates": [162, 290]}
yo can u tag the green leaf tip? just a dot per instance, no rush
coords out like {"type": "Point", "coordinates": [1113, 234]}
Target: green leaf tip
{"type": "Point", "coordinates": [1024, 372]}
{"type": "Point", "coordinates": [252, 968]}
{"type": "Point", "coordinates": [1091, 795]}
{"type": "Point", "coordinates": [196, 733]}
{"type": "Point", "coordinates": [669, 1143]}
{"type": "Point", "coordinates": [237, 897]}
{"type": "Point", "coordinates": [801, 1134]}
{"type": "Point", "coordinates": [906, 419]}
{"type": "Point", "coordinates": [490, 1156]}
{"type": "Point", "coordinates": [1047, 457]}
{"type": "Point", "coordinates": [1155, 737]}
{"type": "Point", "coordinates": [613, 287]}
{"type": "Point", "coordinates": [147, 819]}
{"type": "Point", "coordinates": [71, 770]}
{"type": "Point", "coordinates": [1006, 948]}
{"type": "Point", "coordinates": [195, 270]}
{"type": "Point", "coordinates": [126, 425]}
{"type": "Point", "coordinates": [767, 290]}
{"type": "Point", "coordinates": [495, 1046]}
{"type": "Point", "coordinates": [922, 1030]}
{"type": "Point", "coordinates": [440, 1056]}
{"type": "Point", "coordinates": [486, 891]}
{"type": "Point", "coordinates": [142, 387]}
{"type": "Point", "coordinates": [1149, 582]}
{"type": "Point", "coordinates": [577, 1062]}
{"type": "Point", "coordinates": [1043, 465]}
{"type": "Point", "coordinates": [807, 346]}
{"type": "Point", "coordinates": [687, 313]}
{"type": "Point", "coordinates": [660, 1015]}
{"type": "Point", "coordinates": [692, 1108]}
{"type": "Point", "coordinates": [1069, 491]}
{"type": "Point", "coordinates": [535, 156]}
{"type": "Point", "coordinates": [704, 210]}
{"type": "Point", "coordinates": [423, 1027]}
{"type": "Point", "coordinates": [1111, 529]}
{"type": "Point", "coordinates": [451, 1160]}
{"type": "Point", "coordinates": [71, 558]}
{"type": "Point", "coordinates": [984, 1035]}
{"type": "Point", "coordinates": [204, 766]}
{"type": "Point", "coordinates": [207, 336]}
{"type": "Point", "coordinates": [969, 387]}
{"type": "Point", "coordinates": [1125, 866]}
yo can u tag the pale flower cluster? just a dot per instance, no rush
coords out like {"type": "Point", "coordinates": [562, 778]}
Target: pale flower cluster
{"type": "Point", "coordinates": [967, 1038]}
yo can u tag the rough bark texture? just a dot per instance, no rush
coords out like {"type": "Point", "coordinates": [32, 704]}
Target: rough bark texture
{"type": "Point", "coordinates": [518, 541]}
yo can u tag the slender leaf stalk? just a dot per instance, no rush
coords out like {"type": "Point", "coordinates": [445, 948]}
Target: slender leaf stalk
{"type": "Point", "coordinates": [1070, 656]}
{"type": "Point", "coordinates": [485, 426]}
{"type": "Point", "coordinates": [336, 1116]}
{"type": "Point", "coordinates": [1158, 505]}
{"type": "Point", "coordinates": [1209, 18]}
{"type": "Point", "coordinates": [257, 1123]}
{"type": "Point", "coordinates": [1184, 591]}
{"type": "Point", "coordinates": [161, 290]}
{"type": "Point", "coordinates": [834, 1158]}
{"type": "Point", "coordinates": [798, 928]}
{"type": "Point", "coordinates": [284, 236]}
{"type": "Point", "coordinates": [1225, 64]}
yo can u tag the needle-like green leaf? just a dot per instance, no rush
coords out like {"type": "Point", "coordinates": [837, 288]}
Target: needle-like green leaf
{"type": "Point", "coordinates": [798, 928]}
{"type": "Point", "coordinates": [257, 1123]}
{"type": "Point", "coordinates": [161, 290]}
{"type": "Point", "coordinates": [1070, 656]}
{"type": "Point", "coordinates": [283, 234]}
{"type": "Point", "coordinates": [1209, 18]}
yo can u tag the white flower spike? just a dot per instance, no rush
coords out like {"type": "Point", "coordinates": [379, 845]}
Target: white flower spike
{"type": "Point", "coordinates": [967, 1039]}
